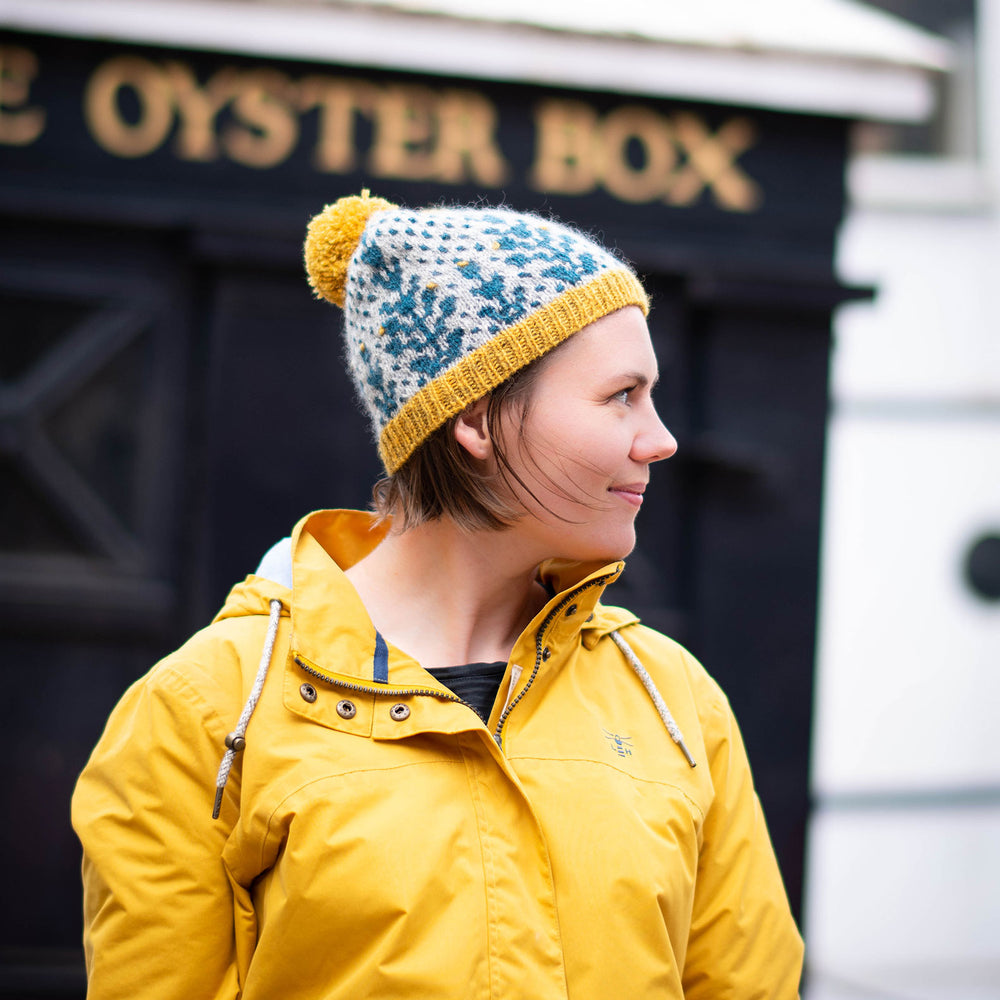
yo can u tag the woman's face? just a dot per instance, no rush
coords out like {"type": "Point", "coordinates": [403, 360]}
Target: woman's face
{"type": "Point", "coordinates": [589, 435]}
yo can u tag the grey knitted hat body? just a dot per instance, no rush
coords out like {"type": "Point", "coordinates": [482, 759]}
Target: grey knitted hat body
{"type": "Point", "coordinates": [442, 305]}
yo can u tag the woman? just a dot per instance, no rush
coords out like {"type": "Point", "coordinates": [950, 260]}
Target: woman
{"type": "Point", "coordinates": [454, 771]}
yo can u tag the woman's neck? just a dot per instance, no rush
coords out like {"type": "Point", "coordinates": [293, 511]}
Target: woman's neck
{"type": "Point", "coordinates": [447, 596]}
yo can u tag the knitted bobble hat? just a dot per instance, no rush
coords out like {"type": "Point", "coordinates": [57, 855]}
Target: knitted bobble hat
{"type": "Point", "coordinates": [442, 305]}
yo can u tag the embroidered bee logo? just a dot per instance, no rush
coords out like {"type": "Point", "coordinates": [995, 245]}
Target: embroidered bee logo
{"type": "Point", "coordinates": [622, 745]}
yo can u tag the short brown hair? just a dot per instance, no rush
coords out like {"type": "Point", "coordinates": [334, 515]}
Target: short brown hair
{"type": "Point", "coordinates": [442, 479]}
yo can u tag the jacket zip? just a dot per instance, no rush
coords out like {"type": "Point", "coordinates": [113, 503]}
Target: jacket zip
{"type": "Point", "coordinates": [539, 649]}
{"type": "Point", "coordinates": [448, 696]}
{"type": "Point", "coordinates": [395, 692]}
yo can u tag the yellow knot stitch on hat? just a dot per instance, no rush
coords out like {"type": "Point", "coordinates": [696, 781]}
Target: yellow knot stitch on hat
{"type": "Point", "coordinates": [331, 239]}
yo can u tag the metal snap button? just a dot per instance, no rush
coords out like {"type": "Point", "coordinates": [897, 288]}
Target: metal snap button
{"type": "Point", "coordinates": [570, 611]}
{"type": "Point", "coordinates": [400, 712]}
{"type": "Point", "coordinates": [308, 693]}
{"type": "Point", "coordinates": [546, 653]}
{"type": "Point", "coordinates": [346, 709]}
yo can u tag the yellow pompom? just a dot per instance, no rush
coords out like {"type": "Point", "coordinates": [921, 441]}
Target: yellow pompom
{"type": "Point", "coordinates": [332, 237]}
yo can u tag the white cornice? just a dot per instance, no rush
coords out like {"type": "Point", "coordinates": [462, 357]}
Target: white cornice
{"type": "Point", "coordinates": [734, 69]}
{"type": "Point", "coordinates": [837, 28]}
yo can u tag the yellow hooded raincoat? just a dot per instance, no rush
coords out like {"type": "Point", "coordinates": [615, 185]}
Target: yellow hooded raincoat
{"type": "Point", "coordinates": [376, 839]}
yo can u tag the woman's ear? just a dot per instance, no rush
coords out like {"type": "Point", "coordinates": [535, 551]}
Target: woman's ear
{"type": "Point", "coordinates": [472, 431]}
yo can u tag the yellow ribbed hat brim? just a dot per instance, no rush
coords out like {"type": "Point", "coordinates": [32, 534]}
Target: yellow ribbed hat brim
{"type": "Point", "coordinates": [508, 352]}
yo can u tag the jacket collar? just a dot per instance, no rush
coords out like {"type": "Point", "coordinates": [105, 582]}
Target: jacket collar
{"type": "Point", "coordinates": [331, 629]}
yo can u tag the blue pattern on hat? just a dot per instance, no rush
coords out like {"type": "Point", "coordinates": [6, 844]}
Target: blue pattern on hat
{"type": "Point", "coordinates": [426, 289]}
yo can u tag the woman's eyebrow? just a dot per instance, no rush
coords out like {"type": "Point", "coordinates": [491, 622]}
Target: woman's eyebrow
{"type": "Point", "coordinates": [640, 379]}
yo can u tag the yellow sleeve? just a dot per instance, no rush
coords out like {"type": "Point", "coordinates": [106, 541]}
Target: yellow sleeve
{"type": "Point", "coordinates": [743, 942]}
{"type": "Point", "coordinates": [158, 906]}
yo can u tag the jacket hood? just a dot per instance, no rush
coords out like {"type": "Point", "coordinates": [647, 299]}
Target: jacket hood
{"type": "Point", "coordinates": [347, 536]}
{"type": "Point", "coordinates": [252, 596]}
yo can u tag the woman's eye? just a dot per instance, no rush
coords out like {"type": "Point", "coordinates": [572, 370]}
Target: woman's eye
{"type": "Point", "coordinates": [622, 396]}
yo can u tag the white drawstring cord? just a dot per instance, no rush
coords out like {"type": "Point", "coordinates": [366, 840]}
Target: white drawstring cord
{"type": "Point", "coordinates": [661, 706]}
{"type": "Point", "coordinates": [236, 740]}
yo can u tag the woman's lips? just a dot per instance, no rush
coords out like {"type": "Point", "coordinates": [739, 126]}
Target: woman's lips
{"type": "Point", "coordinates": [630, 494]}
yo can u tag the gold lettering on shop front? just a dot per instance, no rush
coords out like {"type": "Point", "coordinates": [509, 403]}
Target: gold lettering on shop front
{"type": "Point", "coordinates": [20, 123]}
{"type": "Point", "coordinates": [338, 101]}
{"type": "Point", "coordinates": [197, 108]}
{"type": "Point", "coordinates": [403, 119]}
{"type": "Point", "coordinates": [252, 117]}
{"type": "Point", "coordinates": [258, 117]}
{"type": "Point", "coordinates": [577, 151]}
{"type": "Point", "coordinates": [466, 144]}
{"type": "Point", "coordinates": [565, 151]}
{"type": "Point", "coordinates": [423, 134]}
{"type": "Point", "coordinates": [266, 128]}
{"type": "Point", "coordinates": [712, 164]}
{"type": "Point", "coordinates": [105, 118]}
{"type": "Point", "coordinates": [648, 130]}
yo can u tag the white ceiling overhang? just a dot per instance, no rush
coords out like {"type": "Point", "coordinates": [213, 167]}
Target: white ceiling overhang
{"type": "Point", "coordinates": [833, 57]}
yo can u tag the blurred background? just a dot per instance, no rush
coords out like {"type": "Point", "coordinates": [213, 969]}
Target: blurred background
{"type": "Point", "coordinates": [810, 189]}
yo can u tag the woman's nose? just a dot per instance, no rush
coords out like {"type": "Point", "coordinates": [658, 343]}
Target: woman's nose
{"type": "Point", "coordinates": [655, 444]}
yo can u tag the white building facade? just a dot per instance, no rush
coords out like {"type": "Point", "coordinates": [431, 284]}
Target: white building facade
{"type": "Point", "coordinates": [904, 868]}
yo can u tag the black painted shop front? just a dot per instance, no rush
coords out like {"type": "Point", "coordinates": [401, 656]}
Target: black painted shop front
{"type": "Point", "coordinates": [172, 397]}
